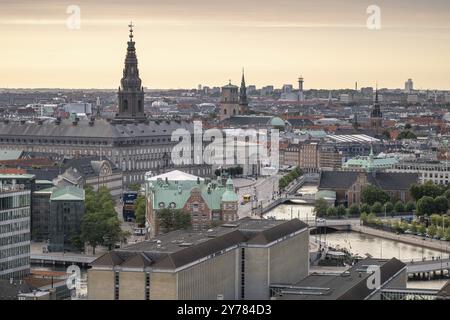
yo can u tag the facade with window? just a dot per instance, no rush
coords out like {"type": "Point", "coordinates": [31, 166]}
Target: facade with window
{"type": "Point", "coordinates": [66, 211]}
{"type": "Point", "coordinates": [206, 201]}
{"type": "Point", "coordinates": [235, 261]}
{"type": "Point", "coordinates": [15, 208]}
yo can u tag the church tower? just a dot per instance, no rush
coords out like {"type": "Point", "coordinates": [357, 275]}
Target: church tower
{"type": "Point", "coordinates": [131, 92]}
{"type": "Point", "coordinates": [376, 117]}
{"type": "Point", "coordinates": [243, 100]}
{"type": "Point", "coordinates": [229, 102]}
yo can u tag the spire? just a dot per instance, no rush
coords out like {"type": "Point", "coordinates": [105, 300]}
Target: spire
{"type": "Point", "coordinates": [376, 111]}
{"type": "Point", "coordinates": [131, 93]}
{"type": "Point", "coordinates": [371, 162]}
{"type": "Point", "coordinates": [131, 26]}
{"type": "Point", "coordinates": [376, 94]}
{"type": "Point", "coordinates": [243, 91]}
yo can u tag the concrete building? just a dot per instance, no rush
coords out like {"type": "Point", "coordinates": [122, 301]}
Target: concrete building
{"type": "Point", "coordinates": [435, 171]}
{"type": "Point", "coordinates": [409, 86]}
{"type": "Point", "coordinates": [66, 211]}
{"type": "Point", "coordinates": [15, 210]}
{"type": "Point", "coordinates": [364, 281]}
{"type": "Point", "coordinates": [236, 261]}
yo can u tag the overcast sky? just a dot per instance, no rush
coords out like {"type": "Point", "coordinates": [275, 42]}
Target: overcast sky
{"type": "Point", "coordinates": [190, 42]}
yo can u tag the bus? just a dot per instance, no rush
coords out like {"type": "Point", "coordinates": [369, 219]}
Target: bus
{"type": "Point", "coordinates": [129, 205]}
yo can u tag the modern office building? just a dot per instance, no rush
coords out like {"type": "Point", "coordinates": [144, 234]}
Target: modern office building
{"type": "Point", "coordinates": [236, 261]}
{"type": "Point", "coordinates": [15, 210]}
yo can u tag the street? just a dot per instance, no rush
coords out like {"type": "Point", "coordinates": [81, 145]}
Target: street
{"type": "Point", "coordinates": [263, 191]}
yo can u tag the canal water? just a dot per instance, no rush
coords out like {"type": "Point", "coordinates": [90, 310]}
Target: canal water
{"type": "Point", "coordinates": [361, 244]}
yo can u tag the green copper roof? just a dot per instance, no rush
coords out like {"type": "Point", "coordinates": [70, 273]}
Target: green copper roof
{"type": "Point", "coordinates": [175, 194]}
{"type": "Point", "coordinates": [229, 195]}
{"type": "Point", "coordinates": [10, 154]}
{"type": "Point", "coordinates": [67, 194]}
{"type": "Point", "coordinates": [277, 122]}
{"type": "Point", "coordinates": [363, 162]}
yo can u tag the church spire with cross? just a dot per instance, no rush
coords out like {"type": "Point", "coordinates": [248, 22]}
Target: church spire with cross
{"type": "Point", "coordinates": [243, 101]}
{"type": "Point", "coordinates": [376, 117]}
{"type": "Point", "coordinates": [131, 92]}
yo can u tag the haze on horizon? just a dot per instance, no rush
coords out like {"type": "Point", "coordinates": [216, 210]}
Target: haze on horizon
{"type": "Point", "coordinates": [181, 44]}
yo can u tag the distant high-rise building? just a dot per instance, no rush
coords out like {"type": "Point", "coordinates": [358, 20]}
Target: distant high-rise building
{"type": "Point", "coordinates": [409, 86]}
{"type": "Point", "coordinates": [251, 89]}
{"type": "Point", "coordinates": [287, 88]}
{"type": "Point", "coordinates": [345, 98]}
{"type": "Point", "coordinates": [267, 91]}
{"type": "Point", "coordinates": [367, 92]}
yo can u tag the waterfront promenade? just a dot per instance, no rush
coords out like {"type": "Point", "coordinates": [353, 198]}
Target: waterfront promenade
{"type": "Point", "coordinates": [433, 244]}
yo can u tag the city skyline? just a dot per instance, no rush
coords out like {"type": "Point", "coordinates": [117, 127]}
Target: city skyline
{"type": "Point", "coordinates": [182, 46]}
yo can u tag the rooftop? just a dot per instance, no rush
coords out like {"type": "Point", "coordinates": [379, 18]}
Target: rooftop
{"type": "Point", "coordinates": [182, 247]}
{"type": "Point", "coordinates": [350, 285]}
{"type": "Point", "coordinates": [67, 193]}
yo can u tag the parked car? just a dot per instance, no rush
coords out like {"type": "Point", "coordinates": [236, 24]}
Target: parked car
{"type": "Point", "coordinates": [409, 232]}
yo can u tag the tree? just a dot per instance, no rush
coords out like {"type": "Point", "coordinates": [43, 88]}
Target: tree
{"type": "Point", "coordinates": [371, 218]}
{"type": "Point", "coordinates": [428, 189]}
{"type": "Point", "coordinates": [140, 210]}
{"type": "Point", "coordinates": [447, 194]}
{"type": "Point", "coordinates": [421, 229]}
{"type": "Point", "coordinates": [425, 206]}
{"type": "Point", "coordinates": [377, 208]}
{"type": "Point", "coordinates": [363, 217]}
{"type": "Point", "coordinates": [440, 233]}
{"type": "Point", "coordinates": [365, 208]}
{"type": "Point", "coordinates": [332, 212]}
{"type": "Point", "coordinates": [399, 207]}
{"type": "Point", "coordinates": [134, 187]}
{"type": "Point", "coordinates": [320, 207]}
{"type": "Point", "coordinates": [341, 211]}
{"type": "Point", "coordinates": [354, 210]}
{"type": "Point", "coordinates": [441, 204]}
{"type": "Point", "coordinates": [171, 220]}
{"type": "Point", "coordinates": [432, 230]}
{"type": "Point", "coordinates": [389, 207]}
{"type": "Point", "coordinates": [371, 194]}
{"type": "Point", "coordinates": [410, 207]}
{"type": "Point", "coordinates": [406, 135]}
{"type": "Point", "coordinates": [436, 219]}
{"type": "Point", "coordinates": [100, 224]}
